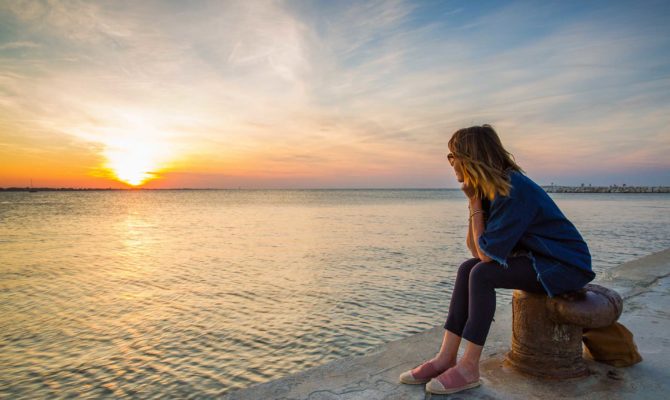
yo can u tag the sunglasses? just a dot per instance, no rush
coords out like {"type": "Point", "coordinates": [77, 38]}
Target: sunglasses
{"type": "Point", "coordinates": [451, 157]}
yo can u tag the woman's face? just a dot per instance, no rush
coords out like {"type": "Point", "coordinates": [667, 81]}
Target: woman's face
{"type": "Point", "coordinates": [458, 167]}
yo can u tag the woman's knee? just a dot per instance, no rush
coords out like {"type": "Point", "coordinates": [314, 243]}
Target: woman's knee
{"type": "Point", "coordinates": [465, 268]}
{"type": "Point", "coordinates": [483, 271]}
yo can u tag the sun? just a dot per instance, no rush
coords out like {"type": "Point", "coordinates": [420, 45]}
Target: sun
{"type": "Point", "coordinates": [132, 166]}
{"type": "Point", "coordinates": [134, 161]}
{"type": "Point", "coordinates": [136, 146]}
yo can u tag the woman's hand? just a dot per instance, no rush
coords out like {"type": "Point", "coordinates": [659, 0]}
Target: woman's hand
{"type": "Point", "coordinates": [468, 190]}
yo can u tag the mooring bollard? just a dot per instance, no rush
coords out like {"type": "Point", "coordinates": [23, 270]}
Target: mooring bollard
{"type": "Point", "coordinates": [547, 332]}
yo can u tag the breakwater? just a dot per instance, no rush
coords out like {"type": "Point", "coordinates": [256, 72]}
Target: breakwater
{"type": "Point", "coordinates": [606, 189]}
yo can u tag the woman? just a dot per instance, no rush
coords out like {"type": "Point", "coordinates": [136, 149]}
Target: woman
{"type": "Point", "coordinates": [519, 240]}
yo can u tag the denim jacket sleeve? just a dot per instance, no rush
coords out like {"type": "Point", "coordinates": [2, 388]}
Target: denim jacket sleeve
{"type": "Point", "coordinates": [509, 218]}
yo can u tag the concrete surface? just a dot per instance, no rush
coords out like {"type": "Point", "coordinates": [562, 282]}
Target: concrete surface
{"type": "Point", "coordinates": [643, 283]}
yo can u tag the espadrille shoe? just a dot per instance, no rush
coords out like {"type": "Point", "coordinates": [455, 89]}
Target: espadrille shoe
{"type": "Point", "coordinates": [449, 382]}
{"type": "Point", "coordinates": [420, 374]}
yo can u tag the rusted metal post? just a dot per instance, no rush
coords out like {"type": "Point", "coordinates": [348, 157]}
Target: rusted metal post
{"type": "Point", "coordinates": [547, 332]}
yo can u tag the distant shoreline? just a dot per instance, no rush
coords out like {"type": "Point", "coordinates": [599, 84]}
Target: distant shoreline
{"type": "Point", "coordinates": [606, 189]}
{"type": "Point", "coordinates": [547, 188]}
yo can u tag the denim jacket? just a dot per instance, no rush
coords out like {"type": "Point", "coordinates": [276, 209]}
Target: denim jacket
{"type": "Point", "coordinates": [527, 221]}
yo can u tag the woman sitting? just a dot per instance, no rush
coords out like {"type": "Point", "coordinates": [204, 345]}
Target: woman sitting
{"type": "Point", "coordinates": [519, 240]}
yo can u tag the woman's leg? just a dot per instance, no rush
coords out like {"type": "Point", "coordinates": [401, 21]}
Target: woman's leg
{"type": "Point", "coordinates": [458, 308]}
{"type": "Point", "coordinates": [484, 279]}
{"type": "Point", "coordinates": [446, 358]}
{"type": "Point", "coordinates": [457, 317]}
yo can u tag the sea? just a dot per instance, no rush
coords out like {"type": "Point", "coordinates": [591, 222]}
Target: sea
{"type": "Point", "coordinates": [196, 293]}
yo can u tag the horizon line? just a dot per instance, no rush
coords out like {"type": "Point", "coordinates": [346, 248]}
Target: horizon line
{"type": "Point", "coordinates": [44, 189]}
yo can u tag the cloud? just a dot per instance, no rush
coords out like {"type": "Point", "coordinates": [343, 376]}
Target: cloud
{"type": "Point", "coordinates": [317, 89]}
{"type": "Point", "coordinates": [18, 45]}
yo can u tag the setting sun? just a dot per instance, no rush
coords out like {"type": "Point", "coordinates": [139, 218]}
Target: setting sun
{"type": "Point", "coordinates": [132, 166]}
{"type": "Point", "coordinates": [135, 149]}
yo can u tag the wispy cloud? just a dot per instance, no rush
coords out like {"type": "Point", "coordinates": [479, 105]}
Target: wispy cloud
{"type": "Point", "coordinates": [18, 45]}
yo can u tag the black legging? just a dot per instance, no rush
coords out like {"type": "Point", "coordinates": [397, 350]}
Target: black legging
{"type": "Point", "coordinates": [473, 301]}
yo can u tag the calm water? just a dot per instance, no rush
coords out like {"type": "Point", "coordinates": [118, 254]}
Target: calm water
{"type": "Point", "coordinates": [196, 293]}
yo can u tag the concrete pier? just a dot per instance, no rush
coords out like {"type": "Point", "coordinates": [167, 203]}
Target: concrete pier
{"type": "Point", "coordinates": [643, 283]}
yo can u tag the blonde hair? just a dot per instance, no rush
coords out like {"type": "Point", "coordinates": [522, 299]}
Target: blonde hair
{"type": "Point", "coordinates": [485, 161]}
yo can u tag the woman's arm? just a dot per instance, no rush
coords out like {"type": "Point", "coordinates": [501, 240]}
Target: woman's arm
{"type": "Point", "coordinates": [477, 227]}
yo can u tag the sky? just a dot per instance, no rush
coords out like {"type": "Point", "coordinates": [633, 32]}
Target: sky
{"type": "Point", "coordinates": [329, 94]}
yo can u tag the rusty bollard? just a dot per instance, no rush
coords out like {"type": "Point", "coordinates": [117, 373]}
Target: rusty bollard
{"type": "Point", "coordinates": [547, 332]}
